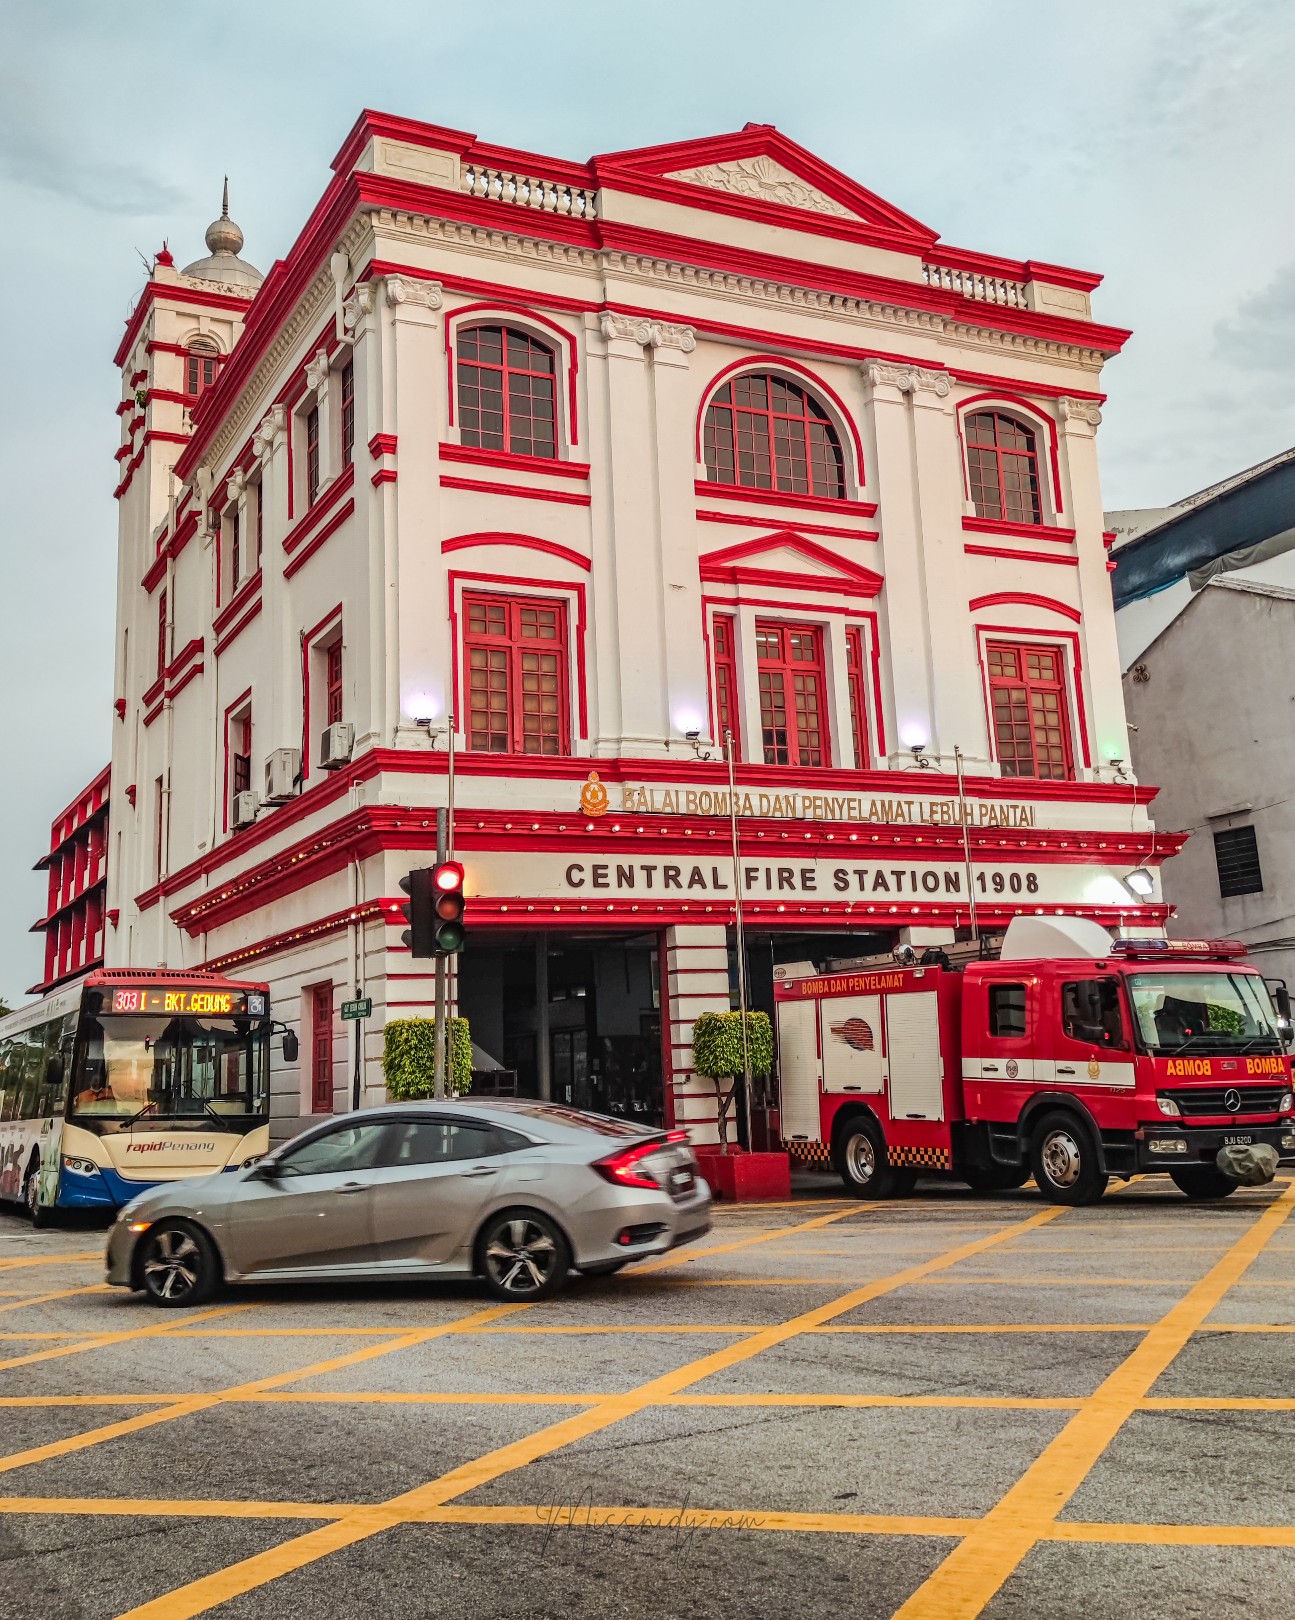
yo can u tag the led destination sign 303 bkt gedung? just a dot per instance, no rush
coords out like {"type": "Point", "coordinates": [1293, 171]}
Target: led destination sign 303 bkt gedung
{"type": "Point", "coordinates": [186, 1001]}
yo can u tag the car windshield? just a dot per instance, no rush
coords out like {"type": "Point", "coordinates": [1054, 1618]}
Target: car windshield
{"type": "Point", "coordinates": [1210, 1011]}
{"type": "Point", "coordinates": [208, 1072]}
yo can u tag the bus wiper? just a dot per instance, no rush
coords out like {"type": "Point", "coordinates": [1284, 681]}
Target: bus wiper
{"type": "Point", "coordinates": [130, 1123]}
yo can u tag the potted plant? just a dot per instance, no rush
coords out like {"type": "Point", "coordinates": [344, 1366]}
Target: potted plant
{"type": "Point", "coordinates": [721, 1055]}
{"type": "Point", "coordinates": [409, 1059]}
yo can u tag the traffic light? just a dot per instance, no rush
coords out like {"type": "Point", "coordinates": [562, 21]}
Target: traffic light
{"type": "Point", "coordinates": [420, 936]}
{"type": "Point", "coordinates": [447, 903]}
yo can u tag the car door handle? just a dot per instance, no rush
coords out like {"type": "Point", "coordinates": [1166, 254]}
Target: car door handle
{"type": "Point", "coordinates": [990, 1068]}
{"type": "Point", "coordinates": [1063, 1070]}
{"type": "Point", "coordinates": [353, 1186]}
{"type": "Point", "coordinates": [481, 1170]}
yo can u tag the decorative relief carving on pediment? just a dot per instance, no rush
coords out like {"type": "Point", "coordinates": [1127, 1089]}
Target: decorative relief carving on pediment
{"type": "Point", "coordinates": [765, 180]}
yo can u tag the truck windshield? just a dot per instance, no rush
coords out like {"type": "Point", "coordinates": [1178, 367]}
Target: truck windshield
{"type": "Point", "coordinates": [136, 1072]}
{"type": "Point", "coordinates": [1208, 1011]}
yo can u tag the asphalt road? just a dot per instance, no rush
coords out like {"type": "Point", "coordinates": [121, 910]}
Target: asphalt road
{"type": "Point", "coordinates": [939, 1408]}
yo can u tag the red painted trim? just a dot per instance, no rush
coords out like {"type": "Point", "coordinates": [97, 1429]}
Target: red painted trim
{"type": "Point", "coordinates": [566, 497]}
{"type": "Point", "coordinates": [1057, 275]}
{"type": "Point", "coordinates": [163, 292]}
{"type": "Point", "coordinates": [506, 308]}
{"type": "Point", "coordinates": [242, 699]}
{"type": "Point", "coordinates": [565, 589]}
{"type": "Point", "coordinates": [1027, 531]}
{"type": "Point", "coordinates": [514, 463]}
{"type": "Point", "coordinates": [1052, 638]}
{"type": "Point", "coordinates": [309, 638]}
{"type": "Point", "coordinates": [801, 528]}
{"type": "Point", "coordinates": [247, 590]}
{"type": "Point", "coordinates": [776, 362]}
{"type": "Point", "coordinates": [1019, 402]}
{"type": "Point", "coordinates": [382, 444]}
{"type": "Point", "coordinates": [184, 680]}
{"type": "Point", "coordinates": [1022, 599]}
{"type": "Point", "coordinates": [326, 500]}
{"type": "Point", "coordinates": [1020, 556]}
{"type": "Point", "coordinates": [525, 542]}
{"type": "Point", "coordinates": [384, 475]}
{"type": "Point", "coordinates": [769, 497]}
{"type": "Point", "coordinates": [307, 551]}
{"type": "Point", "coordinates": [232, 635]}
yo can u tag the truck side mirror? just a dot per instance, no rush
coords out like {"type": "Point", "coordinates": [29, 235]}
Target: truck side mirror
{"type": "Point", "coordinates": [1282, 997]}
{"type": "Point", "coordinates": [291, 1046]}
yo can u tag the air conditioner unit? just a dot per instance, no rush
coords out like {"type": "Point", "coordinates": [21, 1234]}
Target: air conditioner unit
{"type": "Point", "coordinates": [246, 806]}
{"type": "Point", "coordinates": [336, 745]}
{"type": "Point", "coordinates": [282, 775]}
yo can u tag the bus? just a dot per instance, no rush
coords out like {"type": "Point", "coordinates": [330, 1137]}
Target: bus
{"type": "Point", "coordinates": [127, 1078]}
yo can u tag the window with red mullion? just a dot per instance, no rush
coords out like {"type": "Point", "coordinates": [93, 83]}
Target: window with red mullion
{"type": "Point", "coordinates": [727, 706]}
{"type": "Point", "coordinates": [240, 772]}
{"type": "Point", "coordinates": [161, 634]}
{"type": "Point", "coordinates": [793, 702]}
{"type": "Point", "coordinates": [333, 682]}
{"type": "Point", "coordinates": [321, 1049]}
{"type": "Point", "coordinates": [312, 456]}
{"type": "Point", "coordinates": [199, 370]}
{"type": "Point", "coordinates": [764, 432]}
{"type": "Point", "coordinates": [235, 549]}
{"type": "Point", "coordinates": [515, 652]}
{"type": "Point", "coordinates": [348, 413]}
{"type": "Point", "coordinates": [507, 393]}
{"type": "Point", "coordinates": [858, 698]}
{"type": "Point", "coordinates": [1002, 468]}
{"type": "Point", "coordinates": [1027, 696]}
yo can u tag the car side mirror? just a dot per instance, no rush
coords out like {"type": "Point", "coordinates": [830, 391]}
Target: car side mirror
{"type": "Point", "coordinates": [291, 1046]}
{"type": "Point", "coordinates": [267, 1170]}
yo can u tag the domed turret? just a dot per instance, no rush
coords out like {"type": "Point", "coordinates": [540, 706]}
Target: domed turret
{"type": "Point", "coordinates": [224, 240]}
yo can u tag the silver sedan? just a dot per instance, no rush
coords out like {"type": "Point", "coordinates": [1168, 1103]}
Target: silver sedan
{"type": "Point", "coordinates": [516, 1193]}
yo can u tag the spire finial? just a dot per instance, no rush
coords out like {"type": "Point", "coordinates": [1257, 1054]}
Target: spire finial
{"type": "Point", "coordinates": [224, 200]}
{"type": "Point", "coordinates": [223, 236]}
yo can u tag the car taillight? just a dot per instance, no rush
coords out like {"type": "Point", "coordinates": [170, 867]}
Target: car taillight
{"type": "Point", "coordinates": [626, 1168]}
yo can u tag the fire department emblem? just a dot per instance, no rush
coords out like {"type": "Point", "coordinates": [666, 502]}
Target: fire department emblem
{"type": "Point", "coordinates": [593, 796]}
{"type": "Point", "coordinates": [1013, 1068]}
{"type": "Point", "coordinates": [856, 1033]}
{"type": "Point", "coordinates": [1094, 1068]}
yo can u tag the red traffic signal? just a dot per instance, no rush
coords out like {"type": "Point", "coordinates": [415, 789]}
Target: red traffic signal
{"type": "Point", "coordinates": [448, 904]}
{"type": "Point", "coordinates": [448, 875]}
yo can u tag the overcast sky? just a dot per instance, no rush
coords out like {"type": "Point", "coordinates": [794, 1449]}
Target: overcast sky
{"type": "Point", "coordinates": [1151, 141]}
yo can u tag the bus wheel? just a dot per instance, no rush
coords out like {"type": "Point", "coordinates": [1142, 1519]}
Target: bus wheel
{"type": "Point", "coordinates": [177, 1264]}
{"type": "Point", "coordinates": [861, 1162]}
{"type": "Point", "coordinates": [995, 1177]}
{"type": "Point", "coordinates": [1063, 1158]}
{"type": "Point", "coordinates": [1203, 1181]}
{"type": "Point", "coordinates": [39, 1214]}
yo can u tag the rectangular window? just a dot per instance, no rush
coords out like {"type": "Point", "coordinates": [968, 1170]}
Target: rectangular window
{"type": "Point", "coordinates": [321, 1048]}
{"type": "Point", "coordinates": [858, 701]}
{"type": "Point", "coordinates": [515, 650]}
{"type": "Point", "coordinates": [260, 522]}
{"type": "Point", "coordinates": [333, 682]}
{"type": "Point", "coordinates": [235, 549]}
{"type": "Point", "coordinates": [159, 813]}
{"type": "Point", "coordinates": [793, 708]}
{"type": "Point", "coordinates": [312, 455]}
{"type": "Point", "coordinates": [240, 760]}
{"type": "Point", "coordinates": [1007, 1010]}
{"type": "Point", "coordinates": [199, 371]}
{"type": "Point", "coordinates": [161, 634]}
{"type": "Point", "coordinates": [348, 413]}
{"type": "Point", "coordinates": [1090, 1012]}
{"type": "Point", "coordinates": [1027, 695]}
{"type": "Point", "coordinates": [727, 706]}
{"type": "Point", "coordinates": [1236, 854]}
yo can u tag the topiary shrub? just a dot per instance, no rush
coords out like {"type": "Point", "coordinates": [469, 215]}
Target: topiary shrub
{"type": "Point", "coordinates": [717, 1055]}
{"type": "Point", "coordinates": [409, 1058]}
{"type": "Point", "coordinates": [1226, 1020]}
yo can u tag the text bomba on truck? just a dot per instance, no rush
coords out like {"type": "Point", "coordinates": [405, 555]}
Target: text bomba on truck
{"type": "Point", "coordinates": [1071, 1058]}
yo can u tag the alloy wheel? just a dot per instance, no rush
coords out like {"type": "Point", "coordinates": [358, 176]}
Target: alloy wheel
{"type": "Point", "coordinates": [521, 1256]}
{"type": "Point", "coordinates": [172, 1266]}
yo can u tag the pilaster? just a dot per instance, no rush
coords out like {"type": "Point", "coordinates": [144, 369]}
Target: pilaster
{"type": "Point", "coordinates": [696, 975]}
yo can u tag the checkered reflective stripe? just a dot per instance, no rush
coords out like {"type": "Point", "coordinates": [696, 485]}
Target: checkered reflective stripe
{"type": "Point", "coordinates": [925, 1158]}
{"type": "Point", "coordinates": [809, 1152]}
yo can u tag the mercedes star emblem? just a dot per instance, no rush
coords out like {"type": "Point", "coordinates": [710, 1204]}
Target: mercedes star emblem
{"type": "Point", "coordinates": [1232, 1100]}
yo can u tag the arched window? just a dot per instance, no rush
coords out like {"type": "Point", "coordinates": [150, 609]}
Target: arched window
{"type": "Point", "coordinates": [764, 432]}
{"type": "Point", "coordinates": [201, 360]}
{"type": "Point", "coordinates": [1002, 468]}
{"type": "Point", "coordinates": [507, 396]}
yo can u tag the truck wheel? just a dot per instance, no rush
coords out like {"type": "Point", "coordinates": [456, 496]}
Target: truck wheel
{"type": "Point", "coordinates": [1203, 1181]}
{"type": "Point", "coordinates": [995, 1177]}
{"type": "Point", "coordinates": [1063, 1158]}
{"type": "Point", "coordinates": [861, 1162]}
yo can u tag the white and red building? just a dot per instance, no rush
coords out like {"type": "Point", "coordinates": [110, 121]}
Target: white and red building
{"type": "Point", "coordinates": [76, 863]}
{"type": "Point", "coordinates": [602, 459]}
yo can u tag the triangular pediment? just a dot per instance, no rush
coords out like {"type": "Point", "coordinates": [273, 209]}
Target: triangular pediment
{"type": "Point", "coordinates": [760, 171]}
{"type": "Point", "coordinates": [784, 559]}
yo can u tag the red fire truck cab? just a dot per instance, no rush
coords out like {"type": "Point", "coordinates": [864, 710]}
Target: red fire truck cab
{"type": "Point", "coordinates": [1071, 1058]}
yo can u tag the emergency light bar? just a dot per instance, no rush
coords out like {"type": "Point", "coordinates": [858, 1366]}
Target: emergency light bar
{"type": "Point", "coordinates": [1150, 949]}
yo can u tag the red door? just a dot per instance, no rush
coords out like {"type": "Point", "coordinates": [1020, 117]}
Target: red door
{"type": "Point", "coordinates": [321, 1049]}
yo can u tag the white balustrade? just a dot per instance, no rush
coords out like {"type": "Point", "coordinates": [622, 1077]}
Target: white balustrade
{"type": "Point", "coordinates": [552, 196]}
{"type": "Point", "coordinates": [974, 284]}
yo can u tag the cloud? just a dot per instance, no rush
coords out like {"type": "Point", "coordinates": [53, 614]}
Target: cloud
{"type": "Point", "coordinates": [1261, 336]}
{"type": "Point", "coordinates": [35, 151]}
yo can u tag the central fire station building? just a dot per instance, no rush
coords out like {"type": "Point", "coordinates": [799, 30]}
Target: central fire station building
{"type": "Point", "coordinates": [592, 463]}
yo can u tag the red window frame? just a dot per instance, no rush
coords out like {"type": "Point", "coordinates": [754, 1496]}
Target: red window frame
{"type": "Point", "coordinates": [1003, 467]}
{"type": "Point", "coordinates": [516, 674]}
{"type": "Point", "coordinates": [794, 726]}
{"type": "Point", "coordinates": [858, 696]}
{"type": "Point", "coordinates": [312, 455]}
{"type": "Point", "coordinates": [161, 634]}
{"type": "Point", "coordinates": [260, 519]}
{"type": "Point", "coordinates": [240, 759]}
{"type": "Point", "coordinates": [159, 799]}
{"type": "Point", "coordinates": [763, 431]}
{"type": "Point", "coordinates": [348, 413]}
{"type": "Point", "coordinates": [727, 702]}
{"type": "Point", "coordinates": [201, 365]}
{"type": "Point", "coordinates": [507, 391]}
{"type": "Point", "coordinates": [235, 548]}
{"type": "Point", "coordinates": [321, 1048]}
{"type": "Point", "coordinates": [1029, 709]}
{"type": "Point", "coordinates": [333, 681]}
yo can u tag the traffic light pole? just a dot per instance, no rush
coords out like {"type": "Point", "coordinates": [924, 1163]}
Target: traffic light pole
{"type": "Point", "coordinates": [441, 1037]}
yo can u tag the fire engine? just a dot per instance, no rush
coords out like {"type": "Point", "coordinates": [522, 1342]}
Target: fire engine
{"type": "Point", "coordinates": [1072, 1057]}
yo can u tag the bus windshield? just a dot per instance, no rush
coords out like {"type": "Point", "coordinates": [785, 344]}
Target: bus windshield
{"type": "Point", "coordinates": [1210, 1011]}
{"type": "Point", "coordinates": [136, 1072]}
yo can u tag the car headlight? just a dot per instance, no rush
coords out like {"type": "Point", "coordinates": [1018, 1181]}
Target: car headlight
{"type": "Point", "coordinates": [1287, 1103]}
{"type": "Point", "coordinates": [1167, 1105]}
